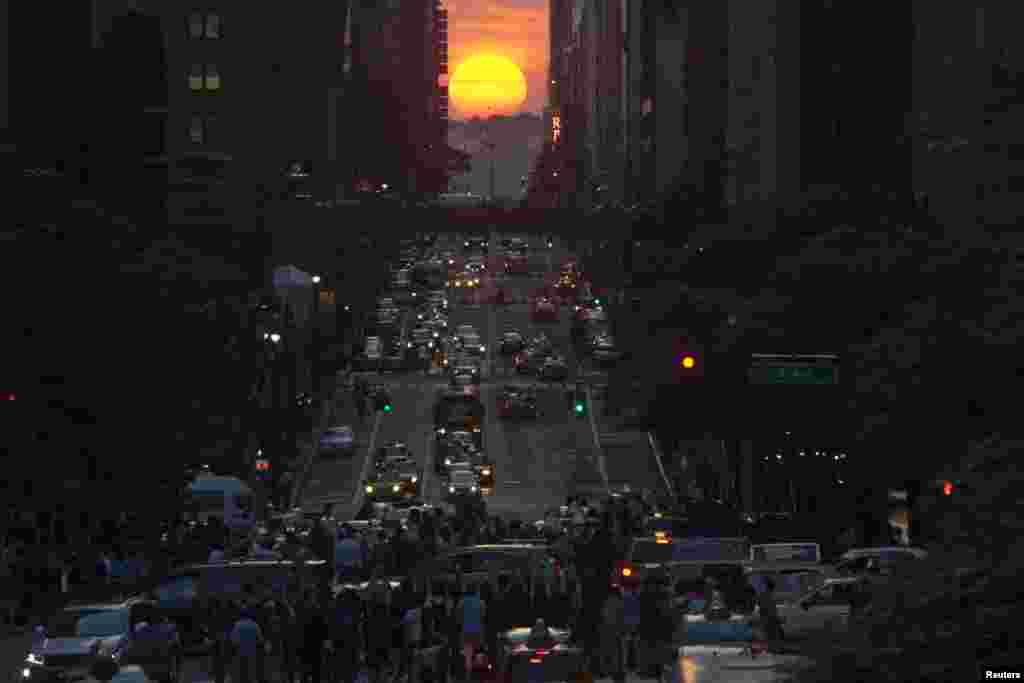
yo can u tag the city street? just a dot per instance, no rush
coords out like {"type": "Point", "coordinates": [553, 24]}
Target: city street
{"type": "Point", "coordinates": [538, 463]}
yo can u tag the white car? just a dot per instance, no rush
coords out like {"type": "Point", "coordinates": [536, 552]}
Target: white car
{"type": "Point", "coordinates": [472, 343]}
{"type": "Point", "coordinates": [824, 607]}
{"type": "Point", "coordinates": [881, 560]}
{"type": "Point", "coordinates": [463, 482]}
{"type": "Point", "coordinates": [374, 348]}
{"type": "Point", "coordinates": [338, 440]}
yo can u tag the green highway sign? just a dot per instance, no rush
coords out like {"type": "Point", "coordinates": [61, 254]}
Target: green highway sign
{"type": "Point", "coordinates": [820, 369]}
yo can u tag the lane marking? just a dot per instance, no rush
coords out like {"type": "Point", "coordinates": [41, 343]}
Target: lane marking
{"type": "Point", "coordinates": [428, 466]}
{"type": "Point", "coordinates": [597, 439]}
{"type": "Point", "coordinates": [364, 474]}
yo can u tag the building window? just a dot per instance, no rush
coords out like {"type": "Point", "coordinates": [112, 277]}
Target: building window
{"type": "Point", "coordinates": [200, 128]}
{"type": "Point", "coordinates": [203, 25]}
{"type": "Point", "coordinates": [195, 78]}
{"type": "Point", "coordinates": [204, 77]}
{"type": "Point", "coordinates": [196, 130]}
{"type": "Point", "coordinates": [195, 25]}
{"type": "Point", "coordinates": [212, 26]}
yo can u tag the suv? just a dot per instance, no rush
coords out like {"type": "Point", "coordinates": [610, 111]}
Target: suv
{"type": "Point", "coordinates": [178, 595]}
{"type": "Point", "coordinates": [477, 562]}
{"type": "Point", "coordinates": [134, 631]}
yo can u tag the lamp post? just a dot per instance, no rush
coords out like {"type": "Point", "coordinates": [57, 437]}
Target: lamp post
{"type": "Point", "coordinates": [314, 345]}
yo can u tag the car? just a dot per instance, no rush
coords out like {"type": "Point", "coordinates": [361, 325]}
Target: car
{"type": "Point", "coordinates": [877, 562]}
{"type": "Point", "coordinates": [455, 447]}
{"type": "Point", "coordinates": [604, 350]}
{"type": "Point", "coordinates": [476, 267]}
{"type": "Point", "coordinates": [518, 402]}
{"type": "Point", "coordinates": [476, 563]}
{"type": "Point", "coordinates": [463, 482]}
{"type": "Point", "coordinates": [393, 449]}
{"type": "Point", "coordinates": [546, 309]}
{"type": "Point", "coordinates": [421, 336]}
{"type": "Point", "coordinates": [517, 263]}
{"type": "Point", "coordinates": [386, 486]}
{"type": "Point", "coordinates": [555, 369]}
{"type": "Point", "coordinates": [338, 440]}
{"type": "Point", "coordinates": [458, 410]}
{"type": "Point", "coordinates": [472, 344]}
{"type": "Point", "coordinates": [134, 631]}
{"type": "Point", "coordinates": [465, 374]}
{"type": "Point", "coordinates": [555, 657]}
{"type": "Point", "coordinates": [409, 476]}
{"type": "Point", "coordinates": [566, 284]}
{"type": "Point", "coordinates": [476, 243]}
{"type": "Point", "coordinates": [512, 342]}
{"type": "Point", "coordinates": [373, 348]}
{"type": "Point", "coordinates": [825, 606]}
{"type": "Point", "coordinates": [181, 593]}
{"type": "Point", "coordinates": [530, 360]}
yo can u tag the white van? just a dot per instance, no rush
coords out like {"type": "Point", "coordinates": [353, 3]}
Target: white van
{"type": "Point", "coordinates": [228, 498]}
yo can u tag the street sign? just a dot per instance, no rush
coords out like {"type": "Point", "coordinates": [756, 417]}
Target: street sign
{"type": "Point", "coordinates": [794, 369]}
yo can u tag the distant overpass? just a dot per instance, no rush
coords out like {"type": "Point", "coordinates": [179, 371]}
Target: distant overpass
{"type": "Point", "coordinates": [315, 237]}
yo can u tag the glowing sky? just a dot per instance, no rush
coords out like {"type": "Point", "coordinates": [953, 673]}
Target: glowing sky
{"type": "Point", "coordinates": [516, 29]}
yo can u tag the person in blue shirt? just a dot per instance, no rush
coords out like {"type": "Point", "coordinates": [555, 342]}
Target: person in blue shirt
{"type": "Point", "coordinates": [471, 609]}
{"type": "Point", "coordinates": [248, 641]}
{"type": "Point", "coordinates": [348, 555]}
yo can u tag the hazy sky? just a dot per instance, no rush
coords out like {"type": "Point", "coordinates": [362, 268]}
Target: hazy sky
{"type": "Point", "coordinates": [517, 29]}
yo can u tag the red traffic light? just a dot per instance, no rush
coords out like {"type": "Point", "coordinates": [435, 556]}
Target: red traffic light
{"type": "Point", "coordinates": [262, 465]}
{"type": "Point", "coordinates": [947, 488]}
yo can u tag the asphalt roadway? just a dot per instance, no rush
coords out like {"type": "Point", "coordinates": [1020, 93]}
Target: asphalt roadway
{"type": "Point", "coordinates": [537, 463]}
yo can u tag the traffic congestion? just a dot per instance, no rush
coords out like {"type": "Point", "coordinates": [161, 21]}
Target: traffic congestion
{"type": "Point", "coordinates": [457, 522]}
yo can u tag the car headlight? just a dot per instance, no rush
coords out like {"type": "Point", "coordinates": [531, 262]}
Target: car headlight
{"type": "Point", "coordinates": [415, 479]}
{"type": "Point", "coordinates": [472, 489]}
{"type": "Point", "coordinates": [448, 462]}
{"type": "Point", "coordinates": [33, 658]}
{"type": "Point", "coordinates": [442, 431]}
{"type": "Point", "coordinates": [369, 489]}
{"type": "Point", "coordinates": [396, 488]}
{"type": "Point", "coordinates": [486, 472]}
{"type": "Point", "coordinates": [451, 489]}
{"type": "Point", "coordinates": [409, 345]}
{"type": "Point", "coordinates": [482, 348]}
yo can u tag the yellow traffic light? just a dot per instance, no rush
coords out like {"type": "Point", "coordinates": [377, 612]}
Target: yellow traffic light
{"type": "Point", "coordinates": [687, 362]}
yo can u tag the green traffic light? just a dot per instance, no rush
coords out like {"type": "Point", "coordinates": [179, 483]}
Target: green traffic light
{"type": "Point", "coordinates": [579, 407]}
{"type": "Point", "coordinates": [387, 407]}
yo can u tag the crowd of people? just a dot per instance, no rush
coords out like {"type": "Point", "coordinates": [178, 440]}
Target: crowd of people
{"type": "Point", "coordinates": [389, 618]}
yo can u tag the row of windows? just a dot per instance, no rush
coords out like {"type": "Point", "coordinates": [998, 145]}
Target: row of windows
{"type": "Point", "coordinates": [204, 26]}
{"type": "Point", "coordinates": [204, 77]}
{"type": "Point", "coordinates": [200, 128]}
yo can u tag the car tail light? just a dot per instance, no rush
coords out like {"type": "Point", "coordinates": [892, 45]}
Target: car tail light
{"type": "Point", "coordinates": [758, 647]}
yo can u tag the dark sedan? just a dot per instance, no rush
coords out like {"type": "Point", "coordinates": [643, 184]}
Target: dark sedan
{"type": "Point", "coordinates": [132, 632]}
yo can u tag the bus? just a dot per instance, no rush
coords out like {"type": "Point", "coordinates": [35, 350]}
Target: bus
{"type": "Point", "coordinates": [228, 498]}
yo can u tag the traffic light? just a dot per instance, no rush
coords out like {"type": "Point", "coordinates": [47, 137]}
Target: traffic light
{"type": "Point", "coordinates": [948, 488]}
{"type": "Point", "coordinates": [688, 362]}
{"type": "Point", "coordinates": [384, 403]}
{"type": "Point", "coordinates": [579, 404]}
{"type": "Point", "coordinates": [263, 469]}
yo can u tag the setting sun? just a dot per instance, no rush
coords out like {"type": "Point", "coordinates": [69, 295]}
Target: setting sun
{"type": "Point", "coordinates": [487, 84]}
